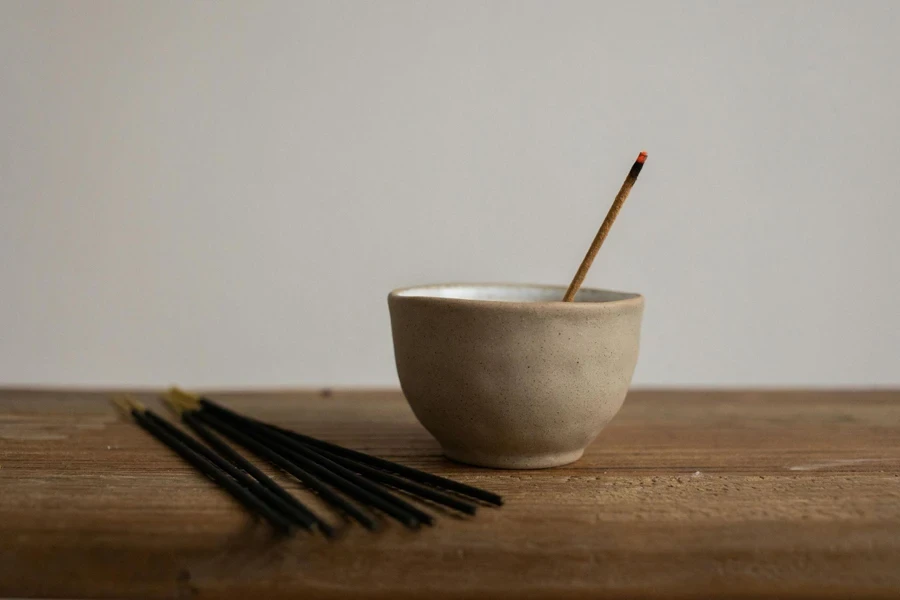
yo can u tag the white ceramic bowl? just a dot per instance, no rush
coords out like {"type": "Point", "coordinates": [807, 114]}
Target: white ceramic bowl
{"type": "Point", "coordinates": [510, 376]}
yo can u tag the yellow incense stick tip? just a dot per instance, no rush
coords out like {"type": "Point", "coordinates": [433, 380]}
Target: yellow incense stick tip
{"type": "Point", "coordinates": [122, 404]}
{"type": "Point", "coordinates": [128, 403]}
{"type": "Point", "coordinates": [173, 403]}
{"type": "Point", "coordinates": [184, 399]}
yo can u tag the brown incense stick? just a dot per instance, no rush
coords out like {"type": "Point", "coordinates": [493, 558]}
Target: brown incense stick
{"type": "Point", "coordinates": [604, 228]}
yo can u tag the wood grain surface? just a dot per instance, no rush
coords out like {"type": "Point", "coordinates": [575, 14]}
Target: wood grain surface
{"type": "Point", "coordinates": [685, 494]}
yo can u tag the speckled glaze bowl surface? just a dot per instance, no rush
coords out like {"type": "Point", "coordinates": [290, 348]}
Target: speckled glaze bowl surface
{"type": "Point", "coordinates": [509, 376]}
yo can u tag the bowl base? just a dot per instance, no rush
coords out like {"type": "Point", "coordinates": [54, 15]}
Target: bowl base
{"type": "Point", "coordinates": [516, 461]}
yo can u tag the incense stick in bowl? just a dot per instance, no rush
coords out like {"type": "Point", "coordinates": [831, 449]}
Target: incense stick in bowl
{"type": "Point", "coordinates": [605, 227]}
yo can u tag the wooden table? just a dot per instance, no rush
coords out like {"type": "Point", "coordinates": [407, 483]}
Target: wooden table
{"type": "Point", "coordinates": [685, 494]}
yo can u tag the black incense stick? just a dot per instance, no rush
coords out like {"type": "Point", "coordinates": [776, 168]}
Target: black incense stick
{"type": "Point", "coordinates": [396, 507]}
{"type": "Point", "coordinates": [235, 458]}
{"type": "Point", "coordinates": [303, 519]}
{"type": "Point", "coordinates": [380, 463]}
{"type": "Point", "coordinates": [333, 474]}
{"type": "Point", "coordinates": [312, 482]}
{"type": "Point", "coordinates": [211, 471]}
{"type": "Point", "coordinates": [389, 479]}
{"type": "Point", "coordinates": [399, 483]}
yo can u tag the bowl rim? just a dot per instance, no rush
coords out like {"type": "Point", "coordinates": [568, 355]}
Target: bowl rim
{"type": "Point", "coordinates": [630, 299]}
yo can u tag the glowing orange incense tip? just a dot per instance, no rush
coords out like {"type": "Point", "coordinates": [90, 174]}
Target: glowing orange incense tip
{"type": "Point", "coordinates": [642, 157]}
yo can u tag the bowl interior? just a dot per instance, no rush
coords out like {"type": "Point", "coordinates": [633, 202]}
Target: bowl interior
{"type": "Point", "coordinates": [511, 293]}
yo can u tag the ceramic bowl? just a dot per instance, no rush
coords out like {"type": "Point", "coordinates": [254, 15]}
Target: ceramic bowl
{"type": "Point", "coordinates": [509, 376]}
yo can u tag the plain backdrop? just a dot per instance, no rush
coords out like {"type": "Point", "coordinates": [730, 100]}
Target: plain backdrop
{"type": "Point", "coordinates": [223, 193]}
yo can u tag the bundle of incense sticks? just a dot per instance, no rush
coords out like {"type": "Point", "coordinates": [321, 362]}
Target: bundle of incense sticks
{"type": "Point", "coordinates": [358, 486]}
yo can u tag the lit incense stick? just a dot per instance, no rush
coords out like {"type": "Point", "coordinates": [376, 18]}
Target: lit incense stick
{"type": "Point", "coordinates": [604, 228]}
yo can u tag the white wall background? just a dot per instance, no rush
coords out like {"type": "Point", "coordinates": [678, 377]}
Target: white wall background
{"type": "Point", "coordinates": [222, 193]}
